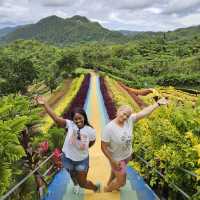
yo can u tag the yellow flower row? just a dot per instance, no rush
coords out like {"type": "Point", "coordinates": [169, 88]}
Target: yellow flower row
{"type": "Point", "coordinates": [119, 95]}
{"type": "Point", "coordinates": [63, 103]}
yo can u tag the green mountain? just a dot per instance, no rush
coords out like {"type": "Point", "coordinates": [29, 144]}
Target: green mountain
{"type": "Point", "coordinates": [190, 32]}
{"type": "Point", "coordinates": [56, 30]}
{"type": "Point", "coordinates": [6, 30]}
{"type": "Point", "coordinates": [130, 33]}
{"type": "Point", "coordinates": [78, 29]}
{"type": "Point", "coordinates": [176, 35]}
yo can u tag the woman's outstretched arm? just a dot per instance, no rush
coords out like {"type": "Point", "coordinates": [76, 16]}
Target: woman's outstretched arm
{"type": "Point", "coordinates": [58, 120]}
{"type": "Point", "coordinates": [148, 110]}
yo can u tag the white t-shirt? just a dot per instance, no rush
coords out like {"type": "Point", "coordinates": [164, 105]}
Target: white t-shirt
{"type": "Point", "coordinates": [119, 138]}
{"type": "Point", "coordinates": [72, 148]}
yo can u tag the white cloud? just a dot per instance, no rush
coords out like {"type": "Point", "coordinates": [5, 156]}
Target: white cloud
{"type": "Point", "coordinates": [122, 14]}
{"type": "Point", "coordinates": [55, 3]}
{"type": "Point", "coordinates": [190, 20]}
{"type": "Point", "coordinates": [182, 7]}
{"type": "Point", "coordinates": [1, 2]}
{"type": "Point", "coordinates": [154, 10]}
{"type": "Point", "coordinates": [133, 5]}
{"type": "Point", "coordinates": [15, 14]}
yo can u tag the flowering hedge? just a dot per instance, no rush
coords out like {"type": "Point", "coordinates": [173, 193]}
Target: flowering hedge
{"type": "Point", "coordinates": [64, 102]}
{"type": "Point", "coordinates": [80, 97]}
{"type": "Point", "coordinates": [109, 103]}
{"type": "Point", "coordinates": [135, 93]}
{"type": "Point", "coordinates": [119, 95]}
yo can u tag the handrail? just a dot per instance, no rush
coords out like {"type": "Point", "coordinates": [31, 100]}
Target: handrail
{"type": "Point", "coordinates": [188, 172]}
{"type": "Point", "coordinates": [47, 171]}
{"type": "Point", "coordinates": [178, 188]}
{"type": "Point", "coordinates": [25, 178]}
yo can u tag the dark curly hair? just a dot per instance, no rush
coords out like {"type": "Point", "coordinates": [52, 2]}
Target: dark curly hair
{"type": "Point", "coordinates": [82, 112]}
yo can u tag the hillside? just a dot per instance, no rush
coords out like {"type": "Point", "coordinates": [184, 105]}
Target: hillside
{"type": "Point", "coordinates": [178, 34]}
{"type": "Point", "coordinates": [79, 29]}
{"type": "Point", "coordinates": [59, 31]}
{"type": "Point", "coordinates": [6, 30]}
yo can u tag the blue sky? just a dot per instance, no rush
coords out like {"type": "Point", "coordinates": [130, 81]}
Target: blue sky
{"type": "Point", "coordinates": [135, 15]}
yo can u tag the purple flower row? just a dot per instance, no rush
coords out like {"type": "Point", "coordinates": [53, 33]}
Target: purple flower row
{"type": "Point", "coordinates": [80, 97]}
{"type": "Point", "coordinates": [108, 102]}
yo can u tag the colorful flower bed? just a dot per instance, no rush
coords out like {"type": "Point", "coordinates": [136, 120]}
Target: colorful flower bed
{"type": "Point", "coordinates": [64, 102]}
{"type": "Point", "coordinates": [80, 97]}
{"type": "Point", "coordinates": [135, 93]}
{"type": "Point", "coordinates": [109, 103]}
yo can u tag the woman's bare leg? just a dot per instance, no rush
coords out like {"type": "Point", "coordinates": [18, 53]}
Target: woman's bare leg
{"type": "Point", "coordinates": [73, 177]}
{"type": "Point", "coordinates": [81, 178]}
{"type": "Point", "coordinates": [117, 182]}
{"type": "Point", "coordinates": [112, 176]}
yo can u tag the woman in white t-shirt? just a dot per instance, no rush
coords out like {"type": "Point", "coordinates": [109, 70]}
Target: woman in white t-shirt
{"type": "Point", "coordinates": [116, 142]}
{"type": "Point", "coordinates": [80, 136]}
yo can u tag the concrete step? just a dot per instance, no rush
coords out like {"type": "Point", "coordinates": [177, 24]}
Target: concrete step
{"type": "Point", "coordinates": [127, 193]}
{"type": "Point", "coordinates": [69, 194]}
{"type": "Point", "coordinates": [89, 195]}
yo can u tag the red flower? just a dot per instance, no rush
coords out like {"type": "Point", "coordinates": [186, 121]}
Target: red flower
{"type": "Point", "coordinates": [44, 146]}
{"type": "Point", "coordinates": [57, 154]}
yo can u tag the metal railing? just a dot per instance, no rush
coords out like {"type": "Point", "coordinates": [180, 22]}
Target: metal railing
{"type": "Point", "coordinates": [162, 175]}
{"type": "Point", "coordinates": [27, 176]}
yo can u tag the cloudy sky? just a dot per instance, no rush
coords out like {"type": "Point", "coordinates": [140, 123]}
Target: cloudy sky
{"type": "Point", "coordinates": [136, 15]}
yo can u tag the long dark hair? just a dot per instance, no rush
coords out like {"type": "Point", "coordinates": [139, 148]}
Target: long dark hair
{"type": "Point", "coordinates": [82, 112]}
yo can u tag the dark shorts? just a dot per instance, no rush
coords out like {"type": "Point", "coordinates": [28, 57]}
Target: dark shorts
{"type": "Point", "coordinates": [71, 165]}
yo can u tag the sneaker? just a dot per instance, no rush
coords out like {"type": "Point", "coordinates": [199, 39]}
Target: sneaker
{"type": "Point", "coordinates": [76, 189]}
{"type": "Point", "coordinates": [98, 190]}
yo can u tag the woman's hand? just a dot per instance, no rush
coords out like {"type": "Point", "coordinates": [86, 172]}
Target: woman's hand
{"type": "Point", "coordinates": [148, 110]}
{"type": "Point", "coordinates": [162, 101]}
{"type": "Point", "coordinates": [115, 164]}
{"type": "Point", "coordinates": [58, 120]}
{"type": "Point", "coordinates": [40, 100]}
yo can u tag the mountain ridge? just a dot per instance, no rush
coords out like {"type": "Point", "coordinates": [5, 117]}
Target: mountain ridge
{"type": "Point", "coordinates": [79, 29]}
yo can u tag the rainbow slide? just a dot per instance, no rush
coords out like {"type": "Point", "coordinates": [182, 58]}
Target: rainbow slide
{"type": "Point", "coordinates": [61, 187]}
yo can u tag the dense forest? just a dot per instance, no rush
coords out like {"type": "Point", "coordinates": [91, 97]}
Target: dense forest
{"type": "Point", "coordinates": [143, 63]}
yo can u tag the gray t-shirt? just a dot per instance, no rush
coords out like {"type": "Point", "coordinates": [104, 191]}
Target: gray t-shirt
{"type": "Point", "coordinates": [73, 148]}
{"type": "Point", "coordinates": [119, 138]}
